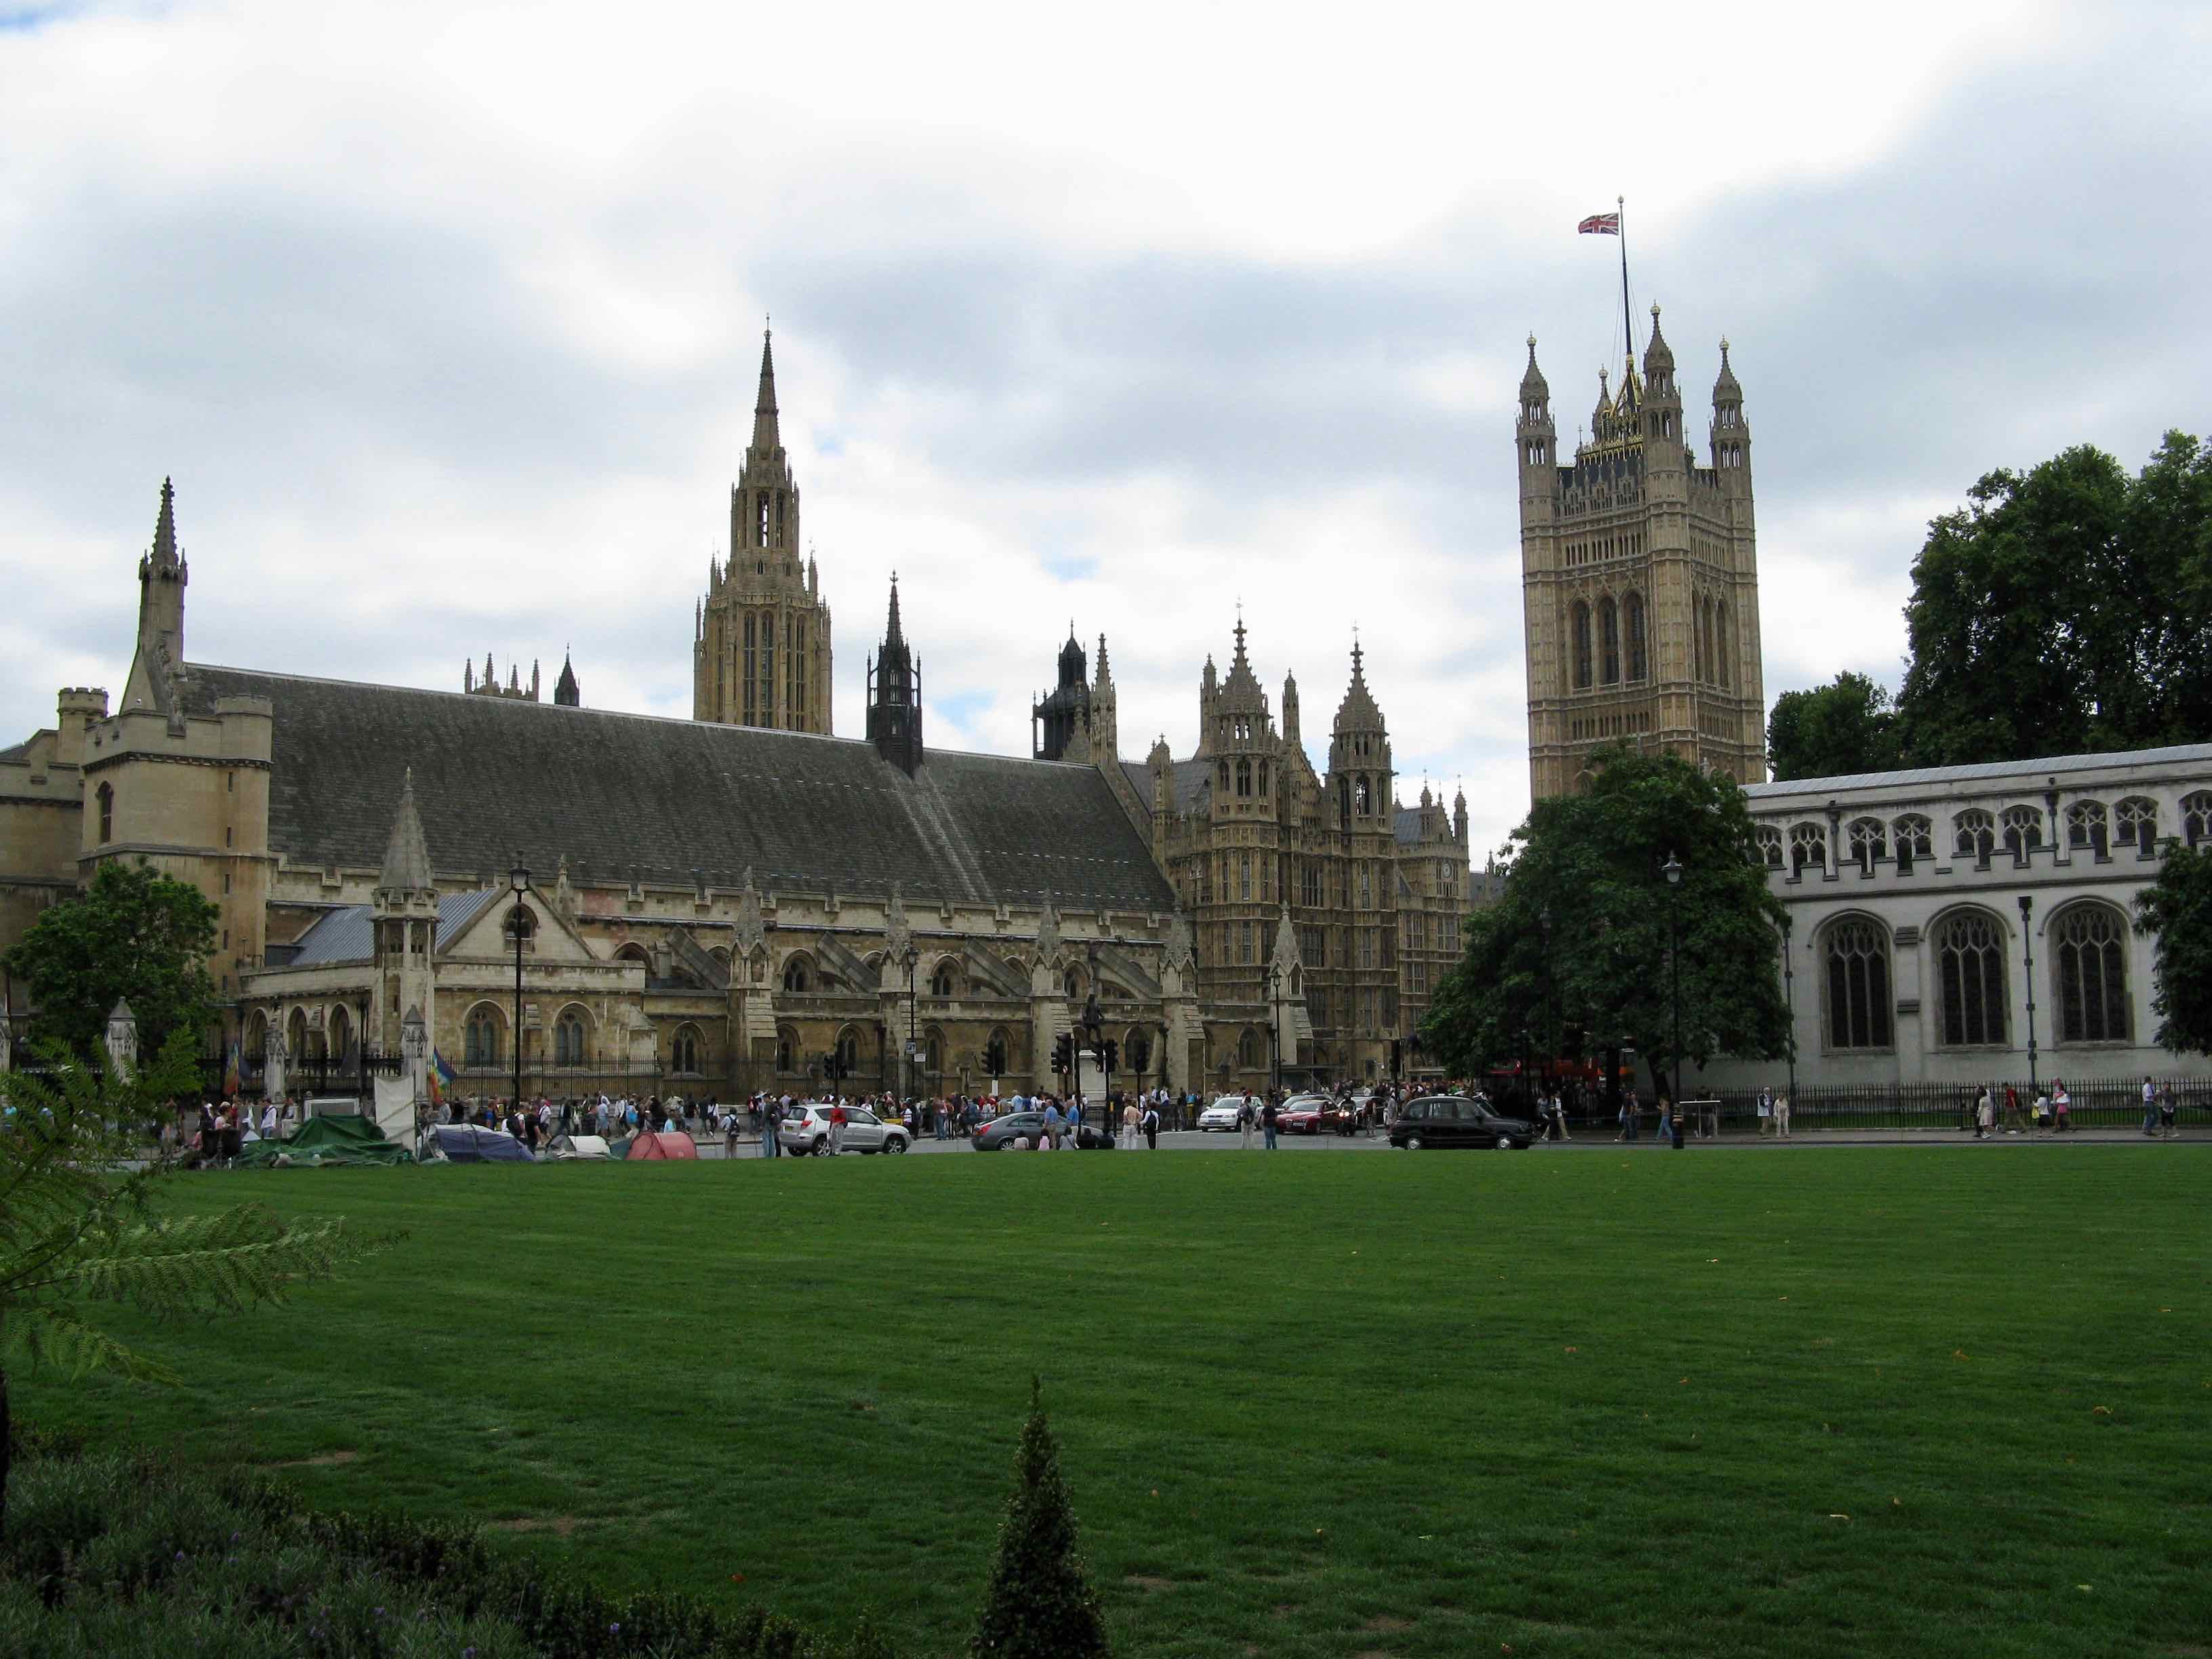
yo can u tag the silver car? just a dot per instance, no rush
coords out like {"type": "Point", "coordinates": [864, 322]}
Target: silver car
{"type": "Point", "coordinates": [805, 1128]}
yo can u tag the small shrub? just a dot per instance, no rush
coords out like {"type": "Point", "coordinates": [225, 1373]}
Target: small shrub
{"type": "Point", "coordinates": [1038, 1603]}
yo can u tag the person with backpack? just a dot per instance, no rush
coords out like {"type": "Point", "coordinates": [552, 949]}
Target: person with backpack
{"type": "Point", "coordinates": [1267, 1114]}
{"type": "Point", "coordinates": [1151, 1124]}
{"type": "Point", "coordinates": [1248, 1119]}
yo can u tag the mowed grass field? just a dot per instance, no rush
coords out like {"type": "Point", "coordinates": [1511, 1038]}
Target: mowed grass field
{"type": "Point", "coordinates": [1949, 1399]}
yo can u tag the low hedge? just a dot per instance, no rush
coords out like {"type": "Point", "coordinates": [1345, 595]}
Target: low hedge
{"type": "Point", "coordinates": [131, 1556]}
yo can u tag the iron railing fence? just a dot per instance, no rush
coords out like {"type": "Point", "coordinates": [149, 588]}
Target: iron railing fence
{"type": "Point", "coordinates": [2096, 1103]}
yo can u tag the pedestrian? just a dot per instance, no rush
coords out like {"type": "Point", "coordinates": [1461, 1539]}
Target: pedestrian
{"type": "Point", "coordinates": [771, 1134]}
{"type": "Point", "coordinates": [1765, 1111]}
{"type": "Point", "coordinates": [1267, 1122]}
{"type": "Point", "coordinates": [1670, 1115]}
{"type": "Point", "coordinates": [1248, 1118]}
{"type": "Point", "coordinates": [1129, 1119]}
{"type": "Point", "coordinates": [1151, 1122]}
{"type": "Point", "coordinates": [1781, 1116]}
{"type": "Point", "coordinates": [2062, 1106]}
{"type": "Point", "coordinates": [2150, 1109]}
{"type": "Point", "coordinates": [268, 1114]}
{"type": "Point", "coordinates": [2012, 1110]}
{"type": "Point", "coordinates": [836, 1126]}
{"type": "Point", "coordinates": [1985, 1115]}
{"type": "Point", "coordinates": [2169, 1128]}
{"type": "Point", "coordinates": [1051, 1125]}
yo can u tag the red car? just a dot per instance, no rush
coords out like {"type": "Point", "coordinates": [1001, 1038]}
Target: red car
{"type": "Point", "coordinates": [1302, 1115]}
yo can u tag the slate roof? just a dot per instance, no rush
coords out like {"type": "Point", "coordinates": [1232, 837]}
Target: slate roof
{"type": "Point", "coordinates": [622, 793]}
{"type": "Point", "coordinates": [2180, 754]}
{"type": "Point", "coordinates": [1406, 824]}
{"type": "Point", "coordinates": [1191, 779]}
{"type": "Point", "coordinates": [348, 935]}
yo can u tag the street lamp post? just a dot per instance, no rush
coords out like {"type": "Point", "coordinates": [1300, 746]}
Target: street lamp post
{"type": "Point", "coordinates": [1275, 1035]}
{"type": "Point", "coordinates": [1790, 997]}
{"type": "Point", "coordinates": [1672, 871]}
{"type": "Point", "coordinates": [519, 879]}
{"type": "Point", "coordinates": [2027, 966]}
{"type": "Point", "coordinates": [910, 956]}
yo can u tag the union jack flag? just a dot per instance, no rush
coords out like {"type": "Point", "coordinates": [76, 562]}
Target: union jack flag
{"type": "Point", "coordinates": [1600, 224]}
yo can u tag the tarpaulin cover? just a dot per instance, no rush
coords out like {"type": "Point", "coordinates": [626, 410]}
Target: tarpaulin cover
{"type": "Point", "coordinates": [465, 1143]}
{"type": "Point", "coordinates": [324, 1141]}
{"type": "Point", "coordinates": [668, 1144]}
{"type": "Point", "coordinates": [578, 1147]}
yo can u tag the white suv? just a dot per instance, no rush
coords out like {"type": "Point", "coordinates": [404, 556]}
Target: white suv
{"type": "Point", "coordinates": [805, 1128]}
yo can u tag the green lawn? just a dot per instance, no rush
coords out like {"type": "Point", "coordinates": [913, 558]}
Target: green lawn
{"type": "Point", "coordinates": [1924, 1400]}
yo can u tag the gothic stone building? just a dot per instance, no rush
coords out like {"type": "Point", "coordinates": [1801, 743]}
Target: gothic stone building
{"type": "Point", "coordinates": [1639, 578]}
{"type": "Point", "coordinates": [729, 902]}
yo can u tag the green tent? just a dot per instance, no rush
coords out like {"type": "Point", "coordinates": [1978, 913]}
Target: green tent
{"type": "Point", "coordinates": [327, 1142]}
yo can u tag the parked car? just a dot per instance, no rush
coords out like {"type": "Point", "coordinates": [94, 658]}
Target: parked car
{"type": "Point", "coordinates": [1437, 1121]}
{"type": "Point", "coordinates": [1001, 1132]}
{"type": "Point", "coordinates": [1301, 1115]}
{"type": "Point", "coordinates": [805, 1128]}
{"type": "Point", "coordinates": [1222, 1115]}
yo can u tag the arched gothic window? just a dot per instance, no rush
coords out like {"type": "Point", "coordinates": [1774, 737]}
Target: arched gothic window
{"type": "Point", "coordinates": [1224, 777]}
{"type": "Point", "coordinates": [848, 1051]}
{"type": "Point", "coordinates": [1263, 779]}
{"type": "Point", "coordinates": [1870, 843]}
{"type": "Point", "coordinates": [684, 1052]}
{"type": "Point", "coordinates": [1072, 984]}
{"type": "Point", "coordinates": [568, 1039]}
{"type": "Point", "coordinates": [1808, 845]}
{"type": "Point", "coordinates": [1243, 778]}
{"type": "Point", "coordinates": [2089, 958]}
{"type": "Point", "coordinates": [1252, 1049]}
{"type": "Point", "coordinates": [1770, 846]}
{"type": "Point", "coordinates": [1915, 839]}
{"type": "Point", "coordinates": [1969, 973]}
{"type": "Point", "coordinates": [1632, 625]}
{"type": "Point", "coordinates": [1858, 985]}
{"type": "Point", "coordinates": [795, 977]}
{"type": "Point", "coordinates": [1976, 833]}
{"type": "Point", "coordinates": [2085, 826]}
{"type": "Point", "coordinates": [787, 1049]}
{"type": "Point", "coordinates": [941, 982]}
{"type": "Point", "coordinates": [1363, 796]}
{"type": "Point", "coordinates": [2023, 830]}
{"type": "Point", "coordinates": [106, 797]}
{"type": "Point", "coordinates": [480, 1038]}
{"type": "Point", "coordinates": [2196, 817]}
{"type": "Point", "coordinates": [2135, 822]}
{"type": "Point", "coordinates": [1579, 628]}
{"type": "Point", "coordinates": [341, 1028]}
{"type": "Point", "coordinates": [1608, 643]}
{"type": "Point", "coordinates": [1698, 657]}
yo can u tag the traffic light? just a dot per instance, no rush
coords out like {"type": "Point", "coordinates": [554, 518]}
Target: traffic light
{"type": "Point", "coordinates": [994, 1057]}
{"type": "Point", "coordinates": [1063, 1052]}
{"type": "Point", "coordinates": [1112, 1056]}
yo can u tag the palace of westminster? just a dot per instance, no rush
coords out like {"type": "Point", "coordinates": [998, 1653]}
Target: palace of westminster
{"type": "Point", "coordinates": [745, 901]}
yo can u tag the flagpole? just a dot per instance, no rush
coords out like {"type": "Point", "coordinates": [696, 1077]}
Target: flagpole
{"type": "Point", "coordinates": [1628, 332]}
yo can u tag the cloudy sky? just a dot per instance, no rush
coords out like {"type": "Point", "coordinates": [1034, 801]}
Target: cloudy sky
{"type": "Point", "coordinates": [445, 320]}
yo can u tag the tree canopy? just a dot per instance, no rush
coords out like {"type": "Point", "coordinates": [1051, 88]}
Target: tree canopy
{"type": "Point", "coordinates": [134, 935]}
{"type": "Point", "coordinates": [1833, 731]}
{"type": "Point", "coordinates": [2066, 610]}
{"type": "Point", "coordinates": [1575, 953]}
{"type": "Point", "coordinates": [2177, 910]}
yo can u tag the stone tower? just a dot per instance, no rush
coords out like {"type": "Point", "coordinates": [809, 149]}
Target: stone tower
{"type": "Point", "coordinates": [162, 577]}
{"type": "Point", "coordinates": [1640, 578]}
{"type": "Point", "coordinates": [895, 697]}
{"type": "Point", "coordinates": [1056, 717]}
{"type": "Point", "coordinates": [761, 636]}
{"type": "Point", "coordinates": [404, 908]}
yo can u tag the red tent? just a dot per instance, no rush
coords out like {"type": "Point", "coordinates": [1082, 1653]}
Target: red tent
{"type": "Point", "coordinates": [669, 1144]}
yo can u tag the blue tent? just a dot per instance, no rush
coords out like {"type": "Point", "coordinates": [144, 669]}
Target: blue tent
{"type": "Point", "coordinates": [464, 1143]}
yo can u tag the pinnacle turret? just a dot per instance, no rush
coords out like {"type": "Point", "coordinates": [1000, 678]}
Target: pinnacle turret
{"type": "Point", "coordinates": [566, 695]}
{"type": "Point", "coordinates": [1533, 386]}
{"type": "Point", "coordinates": [406, 855]}
{"type": "Point", "coordinates": [163, 555]}
{"type": "Point", "coordinates": [767, 435]}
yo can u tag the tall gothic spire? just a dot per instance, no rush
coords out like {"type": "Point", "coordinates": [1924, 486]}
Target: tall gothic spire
{"type": "Point", "coordinates": [406, 855]}
{"type": "Point", "coordinates": [894, 637]}
{"type": "Point", "coordinates": [766, 435]}
{"type": "Point", "coordinates": [164, 556]}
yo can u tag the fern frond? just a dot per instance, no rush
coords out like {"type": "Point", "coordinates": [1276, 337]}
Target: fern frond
{"type": "Point", "coordinates": [56, 1336]}
{"type": "Point", "coordinates": [206, 1264]}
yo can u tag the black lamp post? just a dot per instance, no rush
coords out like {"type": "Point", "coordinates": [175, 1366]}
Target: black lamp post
{"type": "Point", "coordinates": [1790, 997]}
{"type": "Point", "coordinates": [1672, 871]}
{"type": "Point", "coordinates": [1275, 1036]}
{"type": "Point", "coordinates": [910, 956]}
{"type": "Point", "coordinates": [2027, 966]}
{"type": "Point", "coordinates": [517, 925]}
{"type": "Point", "coordinates": [360, 1056]}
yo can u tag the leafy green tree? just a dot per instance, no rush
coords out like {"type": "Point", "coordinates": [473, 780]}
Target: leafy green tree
{"type": "Point", "coordinates": [133, 935]}
{"type": "Point", "coordinates": [1575, 953]}
{"type": "Point", "coordinates": [2066, 610]}
{"type": "Point", "coordinates": [77, 1225]}
{"type": "Point", "coordinates": [1038, 1604]}
{"type": "Point", "coordinates": [1833, 731]}
{"type": "Point", "coordinates": [2177, 910]}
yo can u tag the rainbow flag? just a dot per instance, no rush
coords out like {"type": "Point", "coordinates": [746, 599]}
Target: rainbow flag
{"type": "Point", "coordinates": [233, 1071]}
{"type": "Point", "coordinates": [440, 1075]}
